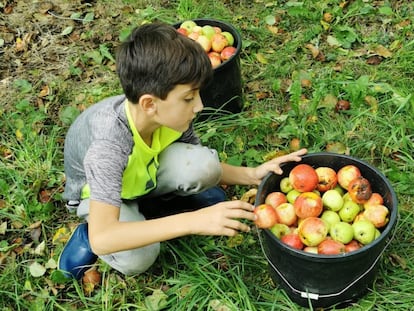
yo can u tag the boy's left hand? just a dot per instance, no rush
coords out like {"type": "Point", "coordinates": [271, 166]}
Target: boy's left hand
{"type": "Point", "coordinates": [274, 165]}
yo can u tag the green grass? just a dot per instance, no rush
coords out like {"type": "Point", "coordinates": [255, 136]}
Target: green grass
{"type": "Point", "coordinates": [204, 273]}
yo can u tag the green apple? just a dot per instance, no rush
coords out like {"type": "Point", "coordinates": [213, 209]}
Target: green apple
{"type": "Point", "coordinates": [285, 185]}
{"type": "Point", "coordinates": [189, 25]}
{"type": "Point", "coordinates": [208, 31]}
{"type": "Point", "coordinates": [292, 195]}
{"type": "Point", "coordinates": [229, 37]}
{"type": "Point", "coordinates": [342, 232]}
{"type": "Point", "coordinates": [332, 200]}
{"type": "Point", "coordinates": [339, 189]}
{"type": "Point", "coordinates": [279, 230]}
{"type": "Point", "coordinates": [364, 231]}
{"type": "Point", "coordinates": [377, 233]}
{"type": "Point", "coordinates": [349, 211]}
{"type": "Point", "coordinates": [330, 217]}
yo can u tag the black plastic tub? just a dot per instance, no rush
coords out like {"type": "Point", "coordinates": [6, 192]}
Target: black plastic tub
{"type": "Point", "coordinates": [224, 94]}
{"type": "Point", "coordinates": [322, 280]}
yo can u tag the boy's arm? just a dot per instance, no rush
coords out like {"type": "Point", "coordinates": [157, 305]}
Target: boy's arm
{"type": "Point", "coordinates": [239, 175]}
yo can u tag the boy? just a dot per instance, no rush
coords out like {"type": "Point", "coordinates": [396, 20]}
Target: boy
{"type": "Point", "coordinates": [132, 154]}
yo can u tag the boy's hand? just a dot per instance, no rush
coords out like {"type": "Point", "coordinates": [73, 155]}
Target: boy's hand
{"type": "Point", "coordinates": [222, 218]}
{"type": "Point", "coordinates": [274, 165]}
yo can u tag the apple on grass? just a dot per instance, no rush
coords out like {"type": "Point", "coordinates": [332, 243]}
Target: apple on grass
{"type": "Point", "coordinates": [346, 174]}
{"type": "Point", "coordinates": [342, 232]}
{"type": "Point", "coordinates": [275, 198]}
{"type": "Point", "coordinates": [349, 211]}
{"type": "Point", "coordinates": [364, 231]}
{"type": "Point", "coordinates": [293, 240]}
{"type": "Point", "coordinates": [332, 200]}
{"type": "Point", "coordinates": [308, 204]}
{"type": "Point", "coordinates": [265, 216]}
{"type": "Point", "coordinates": [286, 214]}
{"type": "Point", "coordinates": [303, 178]}
{"type": "Point", "coordinates": [312, 231]}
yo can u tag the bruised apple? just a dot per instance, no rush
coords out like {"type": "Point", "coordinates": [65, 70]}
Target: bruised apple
{"type": "Point", "coordinates": [327, 179]}
{"type": "Point", "coordinates": [312, 231]}
{"type": "Point", "coordinates": [286, 214]}
{"type": "Point", "coordinates": [308, 204]}
{"type": "Point", "coordinates": [293, 240]}
{"type": "Point", "coordinates": [346, 174]}
{"type": "Point", "coordinates": [275, 198]}
{"type": "Point", "coordinates": [303, 178]}
{"type": "Point", "coordinates": [377, 214]}
{"type": "Point", "coordinates": [265, 216]}
{"type": "Point", "coordinates": [331, 247]}
{"type": "Point", "coordinates": [375, 199]}
{"type": "Point", "coordinates": [359, 190]}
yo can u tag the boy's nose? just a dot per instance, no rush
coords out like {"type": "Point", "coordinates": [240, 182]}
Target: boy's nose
{"type": "Point", "coordinates": [198, 106]}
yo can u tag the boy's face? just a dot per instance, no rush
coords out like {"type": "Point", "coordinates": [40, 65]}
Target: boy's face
{"type": "Point", "coordinates": [180, 107]}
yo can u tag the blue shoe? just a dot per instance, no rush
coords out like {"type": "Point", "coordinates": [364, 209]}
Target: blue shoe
{"type": "Point", "coordinates": [77, 256]}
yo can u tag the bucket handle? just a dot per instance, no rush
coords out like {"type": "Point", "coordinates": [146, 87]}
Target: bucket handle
{"type": "Point", "coordinates": [314, 296]}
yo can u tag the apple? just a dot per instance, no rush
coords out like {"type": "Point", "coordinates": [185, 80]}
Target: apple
{"type": "Point", "coordinates": [359, 189]}
{"type": "Point", "coordinates": [189, 25]}
{"type": "Point", "coordinates": [275, 198]}
{"type": "Point", "coordinates": [352, 246]}
{"type": "Point", "coordinates": [312, 231]}
{"type": "Point", "coordinates": [346, 174]}
{"type": "Point", "coordinates": [197, 29]}
{"type": "Point", "coordinates": [286, 214]}
{"type": "Point", "coordinates": [229, 37]}
{"type": "Point", "coordinates": [204, 42]}
{"type": "Point", "coordinates": [332, 200]}
{"type": "Point", "coordinates": [330, 217]}
{"type": "Point", "coordinates": [217, 29]}
{"type": "Point", "coordinates": [279, 230]}
{"type": "Point", "coordinates": [377, 234]}
{"type": "Point", "coordinates": [285, 185]}
{"type": "Point", "coordinates": [308, 204]}
{"type": "Point", "coordinates": [292, 195]}
{"type": "Point", "coordinates": [311, 249]}
{"type": "Point", "coordinates": [342, 232]}
{"type": "Point", "coordinates": [265, 216]}
{"type": "Point", "coordinates": [331, 247]}
{"type": "Point", "coordinates": [227, 53]}
{"type": "Point", "coordinates": [303, 178]}
{"type": "Point", "coordinates": [349, 211]}
{"type": "Point", "coordinates": [375, 199]}
{"type": "Point", "coordinates": [327, 179]}
{"type": "Point", "coordinates": [193, 35]}
{"type": "Point", "coordinates": [218, 42]}
{"type": "Point", "coordinates": [208, 31]}
{"type": "Point", "coordinates": [293, 240]}
{"type": "Point", "coordinates": [214, 59]}
{"type": "Point", "coordinates": [182, 31]}
{"type": "Point", "coordinates": [364, 231]}
{"type": "Point", "coordinates": [339, 189]}
{"type": "Point", "coordinates": [377, 214]}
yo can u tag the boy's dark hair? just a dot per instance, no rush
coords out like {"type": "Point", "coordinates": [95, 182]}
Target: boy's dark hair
{"type": "Point", "coordinates": [155, 58]}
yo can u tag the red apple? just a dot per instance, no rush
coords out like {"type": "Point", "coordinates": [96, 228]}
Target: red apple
{"type": "Point", "coordinates": [352, 246]}
{"type": "Point", "coordinates": [266, 216]}
{"type": "Point", "coordinates": [182, 31]}
{"type": "Point", "coordinates": [303, 178]}
{"type": "Point", "coordinates": [227, 53]}
{"type": "Point", "coordinates": [218, 42]}
{"type": "Point", "coordinates": [308, 204]}
{"type": "Point", "coordinates": [214, 59]}
{"type": "Point", "coordinates": [194, 35]}
{"type": "Point", "coordinates": [359, 190]}
{"type": "Point", "coordinates": [377, 214]}
{"type": "Point", "coordinates": [327, 179]}
{"type": "Point", "coordinates": [217, 29]}
{"type": "Point", "coordinates": [375, 199]}
{"type": "Point", "coordinates": [275, 198]}
{"type": "Point", "coordinates": [346, 174]}
{"type": "Point", "coordinates": [331, 247]}
{"type": "Point", "coordinates": [286, 214]}
{"type": "Point", "coordinates": [204, 42]}
{"type": "Point", "coordinates": [312, 231]}
{"type": "Point", "coordinates": [293, 240]}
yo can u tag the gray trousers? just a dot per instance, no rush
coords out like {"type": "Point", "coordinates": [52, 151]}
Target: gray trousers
{"type": "Point", "coordinates": [185, 169]}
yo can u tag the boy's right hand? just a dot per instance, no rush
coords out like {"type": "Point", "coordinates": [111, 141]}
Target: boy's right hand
{"type": "Point", "coordinates": [222, 218]}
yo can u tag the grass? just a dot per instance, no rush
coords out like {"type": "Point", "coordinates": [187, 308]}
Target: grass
{"type": "Point", "coordinates": [65, 65]}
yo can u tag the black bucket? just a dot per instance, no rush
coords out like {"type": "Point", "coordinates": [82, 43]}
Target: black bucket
{"type": "Point", "coordinates": [224, 94]}
{"type": "Point", "coordinates": [327, 280]}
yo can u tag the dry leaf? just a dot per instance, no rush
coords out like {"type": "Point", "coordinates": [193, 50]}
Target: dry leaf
{"type": "Point", "coordinates": [261, 58]}
{"type": "Point", "coordinates": [44, 91]}
{"type": "Point", "coordinates": [249, 196]}
{"type": "Point", "coordinates": [61, 236]}
{"type": "Point", "coordinates": [382, 51]}
{"type": "Point", "coordinates": [313, 49]}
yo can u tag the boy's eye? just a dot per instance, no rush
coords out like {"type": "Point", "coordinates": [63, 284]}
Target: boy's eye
{"type": "Point", "coordinates": [188, 100]}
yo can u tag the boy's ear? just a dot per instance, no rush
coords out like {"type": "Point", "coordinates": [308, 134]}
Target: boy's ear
{"type": "Point", "coordinates": [147, 103]}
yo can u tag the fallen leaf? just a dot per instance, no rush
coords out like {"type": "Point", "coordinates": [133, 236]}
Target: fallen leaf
{"type": "Point", "coordinates": [35, 225]}
{"type": "Point", "coordinates": [249, 195]}
{"type": "Point", "coordinates": [382, 51]}
{"type": "Point", "coordinates": [3, 227]}
{"type": "Point", "coordinates": [40, 249]}
{"type": "Point", "coordinates": [156, 301]}
{"type": "Point", "coordinates": [37, 270]}
{"type": "Point", "coordinates": [51, 264]}
{"type": "Point", "coordinates": [35, 234]}
{"type": "Point", "coordinates": [261, 58]}
{"type": "Point", "coordinates": [44, 91]}
{"type": "Point", "coordinates": [374, 60]}
{"type": "Point", "coordinates": [313, 49]}
{"type": "Point", "coordinates": [61, 235]}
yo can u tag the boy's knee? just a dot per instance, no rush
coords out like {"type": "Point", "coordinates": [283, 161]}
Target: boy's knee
{"type": "Point", "coordinates": [134, 261]}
